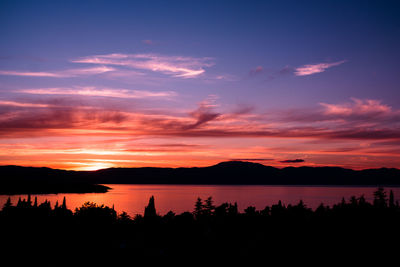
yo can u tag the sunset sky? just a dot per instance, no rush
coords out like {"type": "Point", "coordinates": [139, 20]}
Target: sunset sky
{"type": "Point", "coordinates": [94, 84]}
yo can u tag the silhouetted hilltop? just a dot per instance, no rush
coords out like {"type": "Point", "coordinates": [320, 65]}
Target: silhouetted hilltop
{"type": "Point", "coordinates": [41, 180]}
{"type": "Point", "coordinates": [247, 173]}
{"type": "Point", "coordinates": [46, 180]}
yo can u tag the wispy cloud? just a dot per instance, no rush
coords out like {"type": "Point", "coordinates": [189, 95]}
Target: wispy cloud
{"type": "Point", "coordinates": [358, 107]}
{"type": "Point", "coordinates": [29, 73]}
{"type": "Point", "coordinates": [59, 74]}
{"type": "Point", "coordinates": [103, 92]}
{"type": "Point", "coordinates": [21, 104]}
{"type": "Point", "coordinates": [315, 68]}
{"type": "Point", "coordinates": [366, 120]}
{"type": "Point", "coordinates": [205, 112]}
{"type": "Point", "coordinates": [344, 132]}
{"type": "Point", "coordinates": [121, 65]}
{"type": "Point", "coordinates": [251, 159]}
{"type": "Point", "coordinates": [177, 66]}
{"type": "Point", "coordinates": [256, 70]}
{"type": "Point", "coordinates": [292, 161]}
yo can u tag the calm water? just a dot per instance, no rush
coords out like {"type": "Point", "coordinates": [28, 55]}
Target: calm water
{"type": "Point", "coordinates": [180, 198]}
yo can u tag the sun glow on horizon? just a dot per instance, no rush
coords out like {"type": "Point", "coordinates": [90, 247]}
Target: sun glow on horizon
{"type": "Point", "coordinates": [92, 166]}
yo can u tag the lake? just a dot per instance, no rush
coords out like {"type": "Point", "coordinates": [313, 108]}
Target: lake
{"type": "Point", "coordinates": [180, 198]}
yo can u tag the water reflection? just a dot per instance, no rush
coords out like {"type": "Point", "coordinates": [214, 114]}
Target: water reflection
{"type": "Point", "coordinates": [180, 198]}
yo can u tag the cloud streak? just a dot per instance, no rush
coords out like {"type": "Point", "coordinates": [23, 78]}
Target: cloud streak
{"type": "Point", "coordinates": [20, 104]}
{"type": "Point", "coordinates": [366, 120]}
{"type": "Point", "coordinates": [102, 92]}
{"type": "Point", "coordinates": [292, 161]}
{"type": "Point", "coordinates": [315, 68]}
{"type": "Point", "coordinates": [176, 66]}
{"type": "Point", "coordinates": [358, 128]}
{"type": "Point", "coordinates": [59, 74]}
{"type": "Point", "coordinates": [358, 108]}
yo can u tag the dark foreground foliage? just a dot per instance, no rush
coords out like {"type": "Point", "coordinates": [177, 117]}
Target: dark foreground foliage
{"type": "Point", "coordinates": [96, 235]}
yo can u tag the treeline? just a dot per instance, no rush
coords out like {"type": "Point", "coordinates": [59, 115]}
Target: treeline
{"type": "Point", "coordinates": [382, 202]}
{"type": "Point", "coordinates": [220, 230]}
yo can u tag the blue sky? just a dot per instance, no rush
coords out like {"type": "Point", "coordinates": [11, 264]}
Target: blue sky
{"type": "Point", "coordinates": [211, 57]}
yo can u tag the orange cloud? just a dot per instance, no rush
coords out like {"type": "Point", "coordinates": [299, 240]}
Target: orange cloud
{"type": "Point", "coordinates": [74, 135]}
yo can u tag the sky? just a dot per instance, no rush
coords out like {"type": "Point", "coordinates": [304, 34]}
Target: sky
{"type": "Point", "coordinates": [86, 85]}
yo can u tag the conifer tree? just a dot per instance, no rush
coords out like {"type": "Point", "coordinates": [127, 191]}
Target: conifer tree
{"type": "Point", "coordinates": [209, 206]}
{"type": "Point", "coordinates": [233, 209]}
{"type": "Point", "coordinates": [198, 207]}
{"type": "Point", "coordinates": [150, 210]}
{"type": "Point", "coordinates": [64, 204]}
{"type": "Point", "coordinates": [8, 204]}
{"type": "Point", "coordinates": [391, 200]}
{"type": "Point", "coordinates": [380, 198]}
{"type": "Point", "coordinates": [29, 202]}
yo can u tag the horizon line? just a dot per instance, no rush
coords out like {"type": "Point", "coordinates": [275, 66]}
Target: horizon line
{"type": "Point", "coordinates": [243, 161]}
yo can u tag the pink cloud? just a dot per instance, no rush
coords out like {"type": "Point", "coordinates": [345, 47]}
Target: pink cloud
{"type": "Point", "coordinates": [177, 66]}
{"type": "Point", "coordinates": [60, 74]}
{"type": "Point", "coordinates": [207, 121]}
{"type": "Point", "coordinates": [30, 74]}
{"type": "Point", "coordinates": [19, 104]}
{"type": "Point", "coordinates": [359, 107]}
{"type": "Point", "coordinates": [109, 133]}
{"type": "Point", "coordinates": [315, 68]}
{"type": "Point", "coordinates": [257, 70]}
{"type": "Point", "coordinates": [203, 114]}
{"type": "Point", "coordinates": [104, 92]}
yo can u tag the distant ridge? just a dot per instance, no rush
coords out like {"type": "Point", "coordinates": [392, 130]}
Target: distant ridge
{"type": "Point", "coordinates": [248, 173]}
{"type": "Point", "coordinates": [42, 180]}
{"type": "Point", "coordinates": [16, 179]}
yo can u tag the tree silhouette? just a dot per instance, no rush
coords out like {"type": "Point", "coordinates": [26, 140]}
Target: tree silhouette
{"type": "Point", "coordinates": [209, 206]}
{"type": "Point", "coordinates": [219, 233]}
{"type": "Point", "coordinates": [29, 202]}
{"type": "Point", "coordinates": [8, 204]}
{"type": "Point", "coordinates": [124, 217]}
{"type": "Point", "coordinates": [361, 201]}
{"type": "Point", "coordinates": [64, 204]}
{"type": "Point", "coordinates": [391, 200]}
{"type": "Point", "coordinates": [233, 209]}
{"type": "Point", "coordinates": [198, 207]}
{"type": "Point", "coordinates": [92, 212]}
{"type": "Point", "coordinates": [251, 211]}
{"type": "Point", "coordinates": [150, 210]}
{"type": "Point", "coordinates": [380, 198]}
{"type": "Point", "coordinates": [221, 210]}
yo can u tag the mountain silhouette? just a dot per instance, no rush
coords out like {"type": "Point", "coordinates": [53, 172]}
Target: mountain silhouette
{"type": "Point", "coordinates": [16, 179]}
{"type": "Point", "coordinates": [42, 180]}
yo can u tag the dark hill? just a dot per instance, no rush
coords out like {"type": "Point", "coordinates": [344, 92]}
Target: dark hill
{"type": "Point", "coordinates": [15, 179]}
{"type": "Point", "coordinates": [248, 173]}
{"type": "Point", "coordinates": [33, 180]}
